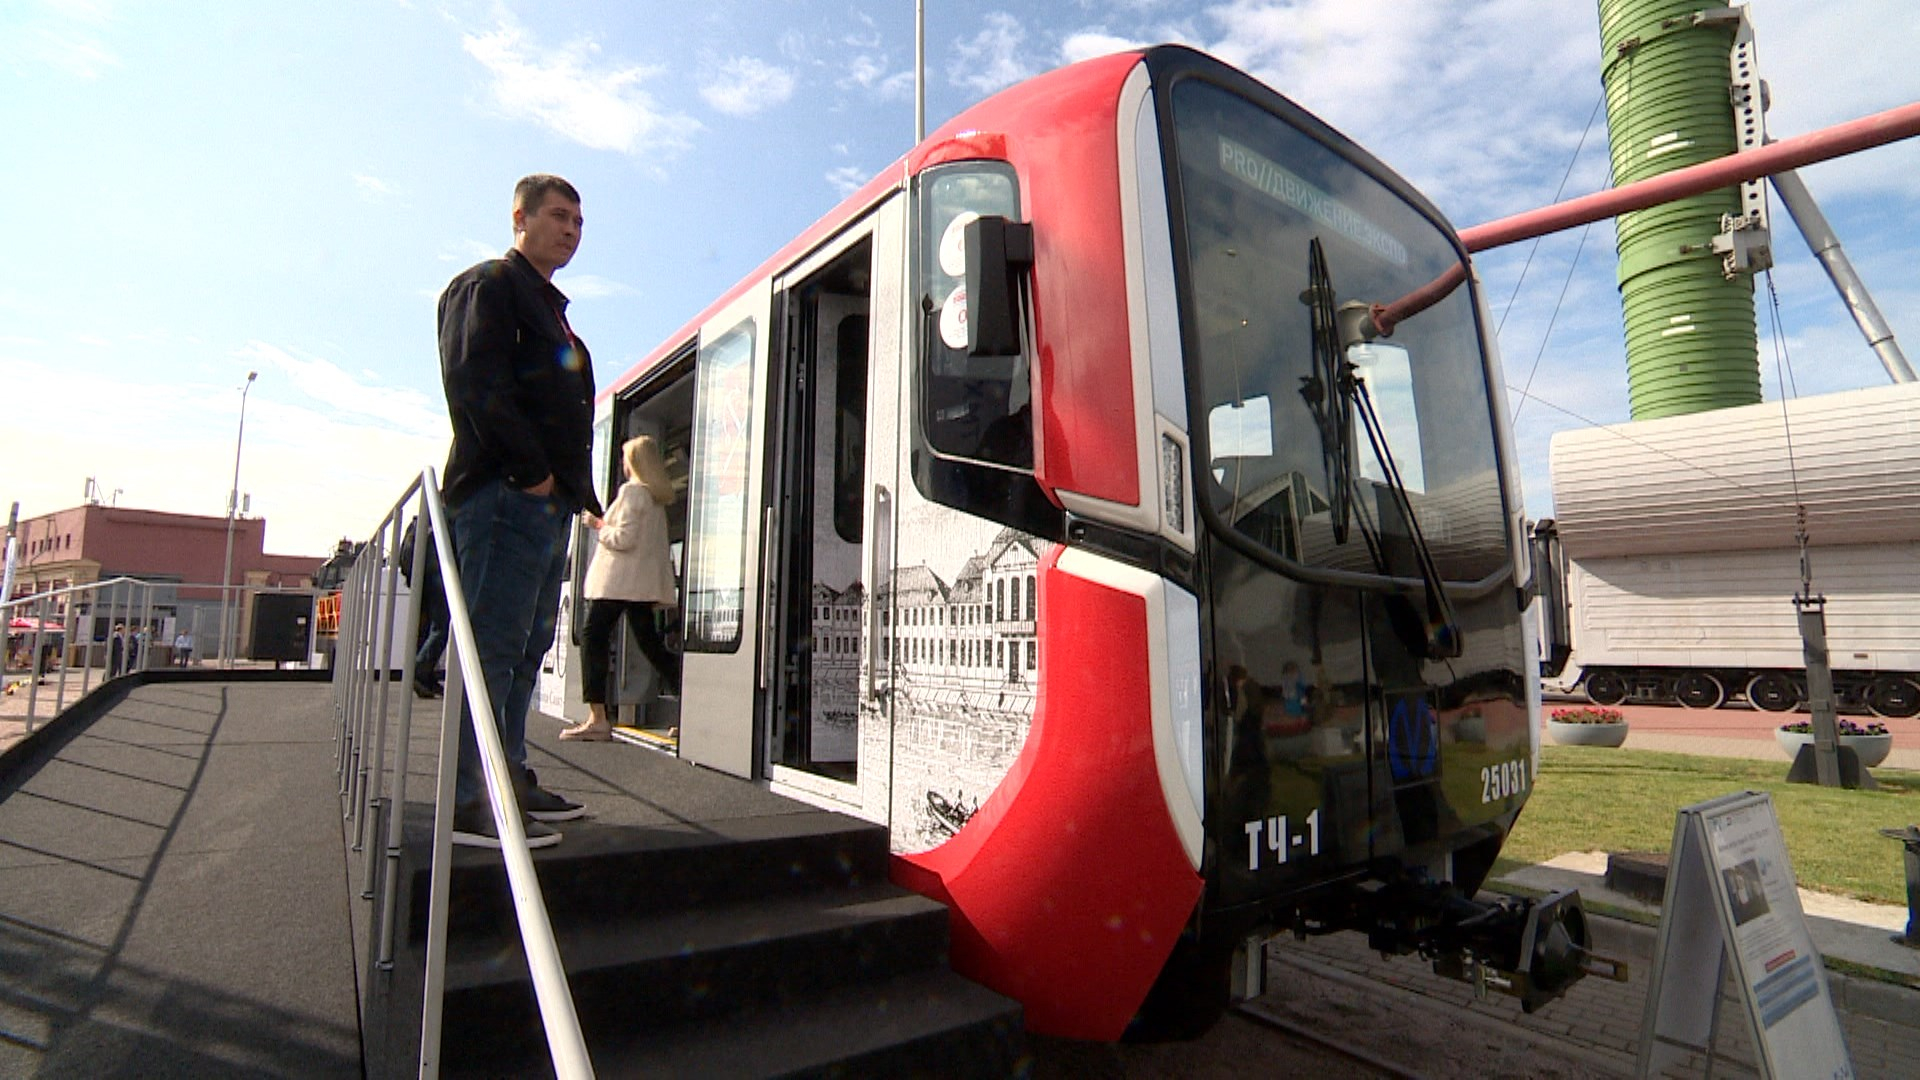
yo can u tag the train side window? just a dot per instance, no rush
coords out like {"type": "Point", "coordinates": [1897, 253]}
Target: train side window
{"type": "Point", "coordinates": [716, 500]}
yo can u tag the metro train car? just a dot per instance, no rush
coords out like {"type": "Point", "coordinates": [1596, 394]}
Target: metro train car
{"type": "Point", "coordinates": [1114, 499]}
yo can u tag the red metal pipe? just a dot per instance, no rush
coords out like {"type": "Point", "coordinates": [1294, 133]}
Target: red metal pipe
{"type": "Point", "coordinates": [1836, 141]}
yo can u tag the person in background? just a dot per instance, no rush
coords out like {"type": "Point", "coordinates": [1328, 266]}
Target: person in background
{"type": "Point", "coordinates": [630, 575]}
{"type": "Point", "coordinates": [519, 386]}
{"type": "Point", "coordinates": [183, 649]}
{"type": "Point", "coordinates": [436, 623]}
{"type": "Point", "coordinates": [116, 649]}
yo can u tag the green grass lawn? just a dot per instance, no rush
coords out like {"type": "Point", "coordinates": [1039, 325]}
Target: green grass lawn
{"type": "Point", "coordinates": [1598, 799]}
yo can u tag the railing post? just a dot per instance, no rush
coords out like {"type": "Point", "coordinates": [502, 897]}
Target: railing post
{"type": "Point", "coordinates": [146, 625]}
{"type": "Point", "coordinates": [92, 593]}
{"type": "Point", "coordinates": [440, 873]}
{"type": "Point", "coordinates": [384, 643]}
{"type": "Point", "coordinates": [403, 739]}
{"type": "Point", "coordinates": [363, 694]}
{"type": "Point", "coordinates": [33, 664]}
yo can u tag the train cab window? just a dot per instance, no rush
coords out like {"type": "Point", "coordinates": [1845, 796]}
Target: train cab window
{"type": "Point", "coordinates": [974, 417]}
{"type": "Point", "coordinates": [976, 407]}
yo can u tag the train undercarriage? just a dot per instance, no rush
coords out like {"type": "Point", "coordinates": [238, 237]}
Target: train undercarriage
{"type": "Point", "coordinates": [1894, 695]}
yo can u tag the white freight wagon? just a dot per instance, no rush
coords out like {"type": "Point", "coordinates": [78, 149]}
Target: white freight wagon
{"type": "Point", "coordinates": [1679, 559]}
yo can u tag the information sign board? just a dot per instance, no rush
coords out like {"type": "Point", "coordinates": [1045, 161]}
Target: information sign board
{"type": "Point", "coordinates": [1732, 903]}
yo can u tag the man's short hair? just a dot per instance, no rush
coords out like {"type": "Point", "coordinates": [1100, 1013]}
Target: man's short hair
{"type": "Point", "coordinates": [531, 191]}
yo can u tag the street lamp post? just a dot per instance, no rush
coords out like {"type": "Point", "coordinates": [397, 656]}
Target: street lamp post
{"type": "Point", "coordinates": [233, 506]}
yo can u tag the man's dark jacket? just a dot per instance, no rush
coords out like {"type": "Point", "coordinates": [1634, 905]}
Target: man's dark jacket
{"type": "Point", "coordinates": [519, 385]}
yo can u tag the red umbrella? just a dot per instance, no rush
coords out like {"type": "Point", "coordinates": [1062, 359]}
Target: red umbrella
{"type": "Point", "coordinates": [25, 625]}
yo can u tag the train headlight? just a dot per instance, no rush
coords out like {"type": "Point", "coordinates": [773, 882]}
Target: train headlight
{"type": "Point", "coordinates": [1173, 487]}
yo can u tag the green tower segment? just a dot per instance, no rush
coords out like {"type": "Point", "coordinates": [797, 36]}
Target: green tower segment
{"type": "Point", "coordinates": [1691, 340]}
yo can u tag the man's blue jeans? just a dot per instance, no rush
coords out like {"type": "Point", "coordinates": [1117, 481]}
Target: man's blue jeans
{"type": "Point", "coordinates": [512, 548]}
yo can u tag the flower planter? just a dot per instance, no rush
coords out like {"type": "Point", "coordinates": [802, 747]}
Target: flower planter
{"type": "Point", "coordinates": [1586, 734]}
{"type": "Point", "coordinates": [1871, 749]}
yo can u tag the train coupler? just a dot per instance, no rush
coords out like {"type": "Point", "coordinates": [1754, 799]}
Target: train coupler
{"type": "Point", "coordinates": [1534, 950]}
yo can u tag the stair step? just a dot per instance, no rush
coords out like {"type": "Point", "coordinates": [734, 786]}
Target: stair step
{"type": "Point", "coordinates": [612, 871]}
{"type": "Point", "coordinates": [922, 1024]}
{"type": "Point", "coordinates": [692, 965]}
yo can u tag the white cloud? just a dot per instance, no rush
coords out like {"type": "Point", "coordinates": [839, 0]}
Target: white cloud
{"type": "Point", "coordinates": [573, 92]}
{"type": "Point", "coordinates": [991, 59]}
{"type": "Point", "coordinates": [64, 35]}
{"type": "Point", "coordinates": [1087, 44]}
{"type": "Point", "coordinates": [871, 71]}
{"type": "Point", "coordinates": [743, 86]}
{"type": "Point", "coordinates": [846, 179]}
{"type": "Point", "coordinates": [372, 188]}
{"type": "Point", "coordinates": [314, 470]}
{"type": "Point", "coordinates": [408, 412]}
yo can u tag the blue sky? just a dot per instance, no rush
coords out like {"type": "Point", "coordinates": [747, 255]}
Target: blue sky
{"type": "Point", "coordinates": [200, 189]}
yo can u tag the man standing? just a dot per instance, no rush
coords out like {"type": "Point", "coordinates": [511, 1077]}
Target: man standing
{"type": "Point", "coordinates": [519, 388]}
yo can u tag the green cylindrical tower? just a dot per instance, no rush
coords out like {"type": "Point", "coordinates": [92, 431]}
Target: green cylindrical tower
{"type": "Point", "coordinates": [1691, 341]}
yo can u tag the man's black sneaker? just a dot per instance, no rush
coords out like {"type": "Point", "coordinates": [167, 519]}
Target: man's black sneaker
{"type": "Point", "coordinates": [473, 827]}
{"type": "Point", "coordinates": [543, 805]}
{"type": "Point", "coordinates": [427, 686]}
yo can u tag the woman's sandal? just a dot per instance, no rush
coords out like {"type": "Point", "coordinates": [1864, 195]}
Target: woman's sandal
{"type": "Point", "coordinates": [588, 732]}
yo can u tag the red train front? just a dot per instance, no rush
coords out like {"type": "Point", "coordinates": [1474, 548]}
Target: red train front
{"type": "Point", "coordinates": [1113, 499]}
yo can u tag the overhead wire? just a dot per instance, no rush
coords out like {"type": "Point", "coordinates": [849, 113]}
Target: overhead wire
{"type": "Point", "coordinates": [1541, 352]}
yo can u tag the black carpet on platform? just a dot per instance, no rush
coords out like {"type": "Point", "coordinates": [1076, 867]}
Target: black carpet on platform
{"type": "Point", "coordinates": [173, 898]}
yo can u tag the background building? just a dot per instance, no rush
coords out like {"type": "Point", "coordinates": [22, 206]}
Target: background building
{"type": "Point", "coordinates": [183, 552]}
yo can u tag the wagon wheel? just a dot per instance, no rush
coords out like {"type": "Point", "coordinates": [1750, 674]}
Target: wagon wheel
{"type": "Point", "coordinates": [1773, 692]}
{"type": "Point", "coordinates": [1699, 690]}
{"type": "Point", "coordinates": [1606, 688]}
{"type": "Point", "coordinates": [1894, 697]}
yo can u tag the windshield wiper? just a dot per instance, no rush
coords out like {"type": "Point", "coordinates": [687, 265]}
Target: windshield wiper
{"type": "Point", "coordinates": [1442, 632]}
{"type": "Point", "coordinates": [1328, 390]}
{"type": "Point", "coordinates": [1334, 392]}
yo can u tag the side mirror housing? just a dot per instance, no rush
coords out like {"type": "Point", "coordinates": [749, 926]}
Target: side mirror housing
{"type": "Point", "coordinates": [998, 252]}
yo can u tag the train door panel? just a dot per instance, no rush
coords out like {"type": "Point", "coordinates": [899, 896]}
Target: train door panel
{"type": "Point", "coordinates": [729, 525]}
{"type": "Point", "coordinates": [821, 509]}
{"type": "Point", "coordinates": [825, 728]}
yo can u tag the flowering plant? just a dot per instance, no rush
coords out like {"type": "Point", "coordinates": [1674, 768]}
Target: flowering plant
{"type": "Point", "coordinates": [1588, 714]}
{"type": "Point", "coordinates": [1846, 727]}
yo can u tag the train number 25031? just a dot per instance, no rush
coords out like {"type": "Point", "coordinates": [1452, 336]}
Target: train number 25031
{"type": "Point", "coordinates": [1504, 780]}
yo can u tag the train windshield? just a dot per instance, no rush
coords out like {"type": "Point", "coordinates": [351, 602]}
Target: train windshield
{"type": "Point", "coordinates": [1281, 231]}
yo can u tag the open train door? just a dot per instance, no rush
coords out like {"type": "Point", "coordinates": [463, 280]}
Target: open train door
{"type": "Point", "coordinates": [728, 529]}
{"type": "Point", "coordinates": [827, 736]}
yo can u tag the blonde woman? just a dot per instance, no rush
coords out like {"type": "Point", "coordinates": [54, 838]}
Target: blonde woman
{"type": "Point", "coordinates": [631, 574]}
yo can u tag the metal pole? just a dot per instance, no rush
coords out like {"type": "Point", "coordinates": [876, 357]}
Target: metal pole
{"type": "Point", "coordinates": [1894, 124]}
{"type": "Point", "coordinates": [92, 593]}
{"type": "Point", "coordinates": [33, 663]}
{"type": "Point", "coordinates": [6, 576]}
{"type": "Point", "coordinates": [146, 625]}
{"type": "Point", "coordinates": [1853, 292]}
{"type": "Point", "coordinates": [233, 507]}
{"type": "Point", "coordinates": [403, 739]}
{"type": "Point", "coordinates": [1826, 731]}
{"type": "Point", "coordinates": [919, 71]}
{"type": "Point", "coordinates": [387, 590]}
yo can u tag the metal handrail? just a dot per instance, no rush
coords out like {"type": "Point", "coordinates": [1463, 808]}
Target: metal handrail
{"type": "Point", "coordinates": [365, 645]}
{"type": "Point", "coordinates": [39, 602]}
